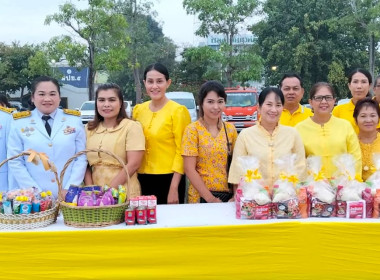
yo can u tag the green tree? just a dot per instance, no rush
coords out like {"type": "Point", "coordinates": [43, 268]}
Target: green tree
{"type": "Point", "coordinates": [228, 17]}
{"type": "Point", "coordinates": [309, 38]}
{"type": "Point", "coordinates": [101, 28]}
{"type": "Point", "coordinates": [364, 16]}
{"type": "Point", "coordinates": [19, 65]}
{"type": "Point", "coordinates": [147, 45]}
{"type": "Point", "coordinates": [147, 41]}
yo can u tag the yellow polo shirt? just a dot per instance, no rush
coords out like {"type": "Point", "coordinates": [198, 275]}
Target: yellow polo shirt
{"type": "Point", "coordinates": [346, 111]}
{"type": "Point", "coordinates": [288, 119]}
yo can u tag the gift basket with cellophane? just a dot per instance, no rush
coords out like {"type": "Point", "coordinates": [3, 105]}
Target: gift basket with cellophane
{"type": "Point", "coordinates": [285, 197]}
{"type": "Point", "coordinates": [373, 182]}
{"type": "Point", "coordinates": [320, 192]}
{"type": "Point", "coordinates": [352, 195]}
{"type": "Point", "coordinates": [252, 198]}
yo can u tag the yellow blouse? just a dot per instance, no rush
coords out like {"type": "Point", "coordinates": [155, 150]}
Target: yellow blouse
{"type": "Point", "coordinates": [256, 141]}
{"type": "Point", "coordinates": [163, 132]}
{"type": "Point", "coordinates": [329, 140]}
{"type": "Point", "coordinates": [346, 111]}
{"type": "Point", "coordinates": [211, 156]}
{"type": "Point", "coordinates": [127, 136]}
{"type": "Point", "coordinates": [288, 119]}
{"type": "Point", "coordinates": [367, 152]}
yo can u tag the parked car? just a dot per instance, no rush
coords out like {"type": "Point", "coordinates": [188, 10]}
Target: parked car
{"type": "Point", "coordinates": [17, 105]}
{"type": "Point", "coordinates": [186, 99]}
{"type": "Point", "coordinates": [343, 101]}
{"type": "Point", "coordinates": [87, 110]}
{"type": "Point", "coordinates": [307, 105]}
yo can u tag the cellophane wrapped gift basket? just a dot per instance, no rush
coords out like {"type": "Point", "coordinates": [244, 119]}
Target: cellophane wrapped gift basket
{"type": "Point", "coordinates": [373, 182]}
{"type": "Point", "coordinates": [352, 197]}
{"type": "Point", "coordinates": [252, 199]}
{"type": "Point", "coordinates": [29, 208]}
{"type": "Point", "coordinates": [94, 206]}
{"type": "Point", "coordinates": [321, 193]}
{"type": "Point", "coordinates": [285, 198]}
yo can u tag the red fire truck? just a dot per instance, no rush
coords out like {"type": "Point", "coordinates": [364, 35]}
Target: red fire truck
{"type": "Point", "coordinates": [241, 107]}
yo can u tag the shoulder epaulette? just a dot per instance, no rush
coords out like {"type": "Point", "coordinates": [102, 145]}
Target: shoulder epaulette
{"type": "Point", "coordinates": [20, 115]}
{"type": "Point", "coordinates": [71, 112]}
{"type": "Point", "coordinates": [7, 110]}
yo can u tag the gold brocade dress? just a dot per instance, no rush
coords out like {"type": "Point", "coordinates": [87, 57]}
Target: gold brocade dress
{"type": "Point", "coordinates": [367, 153]}
{"type": "Point", "coordinates": [127, 136]}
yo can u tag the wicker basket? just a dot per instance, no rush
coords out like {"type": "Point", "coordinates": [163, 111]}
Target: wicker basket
{"type": "Point", "coordinates": [93, 216]}
{"type": "Point", "coordinates": [30, 221]}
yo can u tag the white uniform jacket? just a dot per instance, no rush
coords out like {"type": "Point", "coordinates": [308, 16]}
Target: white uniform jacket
{"type": "Point", "coordinates": [67, 138]}
{"type": "Point", "coordinates": [5, 122]}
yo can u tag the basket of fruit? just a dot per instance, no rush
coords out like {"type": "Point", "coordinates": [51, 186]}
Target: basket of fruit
{"type": "Point", "coordinates": [28, 208]}
{"type": "Point", "coordinates": [94, 206]}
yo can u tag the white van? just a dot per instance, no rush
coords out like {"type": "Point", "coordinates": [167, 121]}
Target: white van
{"type": "Point", "coordinates": [87, 110]}
{"type": "Point", "coordinates": [186, 99]}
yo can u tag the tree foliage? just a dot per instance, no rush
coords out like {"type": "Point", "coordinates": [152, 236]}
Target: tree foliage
{"type": "Point", "coordinates": [19, 65]}
{"type": "Point", "coordinates": [101, 32]}
{"type": "Point", "coordinates": [228, 18]}
{"type": "Point", "coordinates": [312, 38]}
{"type": "Point", "coordinates": [147, 45]}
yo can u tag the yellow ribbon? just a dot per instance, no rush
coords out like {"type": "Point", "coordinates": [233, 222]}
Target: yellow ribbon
{"type": "Point", "coordinates": [252, 175]}
{"type": "Point", "coordinates": [318, 176]}
{"type": "Point", "coordinates": [291, 178]}
{"type": "Point", "coordinates": [34, 157]}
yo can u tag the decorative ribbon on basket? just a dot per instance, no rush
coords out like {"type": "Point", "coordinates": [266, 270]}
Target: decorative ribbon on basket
{"type": "Point", "coordinates": [251, 175]}
{"type": "Point", "coordinates": [93, 216]}
{"type": "Point", "coordinates": [36, 220]}
{"type": "Point", "coordinates": [292, 178]}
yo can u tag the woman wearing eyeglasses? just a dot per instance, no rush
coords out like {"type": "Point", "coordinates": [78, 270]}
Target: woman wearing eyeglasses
{"type": "Point", "coordinates": [325, 135]}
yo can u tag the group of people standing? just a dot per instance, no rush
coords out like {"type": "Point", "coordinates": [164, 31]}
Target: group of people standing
{"type": "Point", "coordinates": [160, 144]}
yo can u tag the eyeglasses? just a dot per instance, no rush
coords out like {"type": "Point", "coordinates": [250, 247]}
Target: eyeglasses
{"type": "Point", "coordinates": [321, 97]}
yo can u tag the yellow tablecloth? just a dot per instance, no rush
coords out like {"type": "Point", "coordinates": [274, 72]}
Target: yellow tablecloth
{"type": "Point", "coordinates": [301, 249]}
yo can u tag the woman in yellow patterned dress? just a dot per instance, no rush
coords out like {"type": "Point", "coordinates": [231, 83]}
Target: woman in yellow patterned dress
{"type": "Point", "coordinates": [111, 130]}
{"type": "Point", "coordinates": [366, 114]}
{"type": "Point", "coordinates": [205, 146]}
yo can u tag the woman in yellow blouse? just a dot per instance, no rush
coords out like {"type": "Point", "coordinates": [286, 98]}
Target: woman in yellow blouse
{"type": "Point", "coordinates": [205, 146]}
{"type": "Point", "coordinates": [366, 114]}
{"type": "Point", "coordinates": [359, 83]}
{"type": "Point", "coordinates": [268, 140]}
{"type": "Point", "coordinates": [325, 135]}
{"type": "Point", "coordinates": [111, 130]}
{"type": "Point", "coordinates": [163, 121]}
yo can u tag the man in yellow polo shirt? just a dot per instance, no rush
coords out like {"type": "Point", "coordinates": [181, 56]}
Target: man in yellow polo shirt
{"type": "Point", "coordinates": [294, 112]}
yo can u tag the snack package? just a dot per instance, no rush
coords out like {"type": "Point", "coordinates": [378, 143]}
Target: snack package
{"type": "Point", "coordinates": [321, 194]}
{"type": "Point", "coordinates": [285, 200]}
{"type": "Point", "coordinates": [122, 194]}
{"type": "Point", "coordinates": [356, 209]}
{"type": "Point", "coordinates": [376, 205]}
{"type": "Point", "coordinates": [252, 199]}
{"type": "Point", "coordinates": [303, 202]}
{"type": "Point", "coordinates": [86, 198]}
{"type": "Point", "coordinates": [71, 197]}
{"type": "Point", "coordinates": [107, 198]}
{"type": "Point", "coordinates": [348, 187]}
{"type": "Point", "coordinates": [368, 198]}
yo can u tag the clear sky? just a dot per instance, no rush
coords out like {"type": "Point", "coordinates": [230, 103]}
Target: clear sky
{"type": "Point", "coordinates": [23, 21]}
